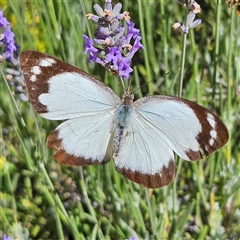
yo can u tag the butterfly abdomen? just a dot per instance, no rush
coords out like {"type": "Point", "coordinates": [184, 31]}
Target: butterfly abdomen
{"type": "Point", "coordinates": [124, 116]}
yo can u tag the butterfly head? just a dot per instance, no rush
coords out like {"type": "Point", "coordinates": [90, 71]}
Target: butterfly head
{"type": "Point", "coordinates": [127, 98]}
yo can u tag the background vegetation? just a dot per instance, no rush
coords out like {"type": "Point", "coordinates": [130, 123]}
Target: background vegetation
{"type": "Point", "coordinates": [41, 199]}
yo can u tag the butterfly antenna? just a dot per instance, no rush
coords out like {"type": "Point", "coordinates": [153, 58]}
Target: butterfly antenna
{"type": "Point", "coordinates": [149, 82]}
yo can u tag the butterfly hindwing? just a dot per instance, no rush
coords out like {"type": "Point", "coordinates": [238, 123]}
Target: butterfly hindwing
{"type": "Point", "coordinates": [83, 141]}
{"type": "Point", "coordinates": [144, 156]}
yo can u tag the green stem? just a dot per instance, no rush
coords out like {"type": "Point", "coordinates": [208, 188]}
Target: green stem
{"type": "Point", "coordinates": [182, 64]}
{"type": "Point", "coordinates": [146, 58]}
{"type": "Point", "coordinates": [229, 81]}
{"type": "Point", "coordinates": [216, 53]}
{"type": "Point", "coordinates": [150, 213]}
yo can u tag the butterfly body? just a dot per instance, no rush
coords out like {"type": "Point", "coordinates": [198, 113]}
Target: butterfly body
{"type": "Point", "coordinates": [123, 120]}
{"type": "Point", "coordinates": [140, 135]}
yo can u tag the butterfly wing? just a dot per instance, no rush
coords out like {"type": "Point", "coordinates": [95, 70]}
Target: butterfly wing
{"type": "Point", "coordinates": [60, 91]}
{"type": "Point", "coordinates": [144, 157]}
{"type": "Point", "coordinates": [83, 141]}
{"type": "Point", "coordinates": [164, 124]}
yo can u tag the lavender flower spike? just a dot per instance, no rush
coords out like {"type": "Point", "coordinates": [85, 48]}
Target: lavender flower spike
{"type": "Point", "coordinates": [7, 46]}
{"type": "Point", "coordinates": [190, 23]}
{"type": "Point", "coordinates": [15, 76]}
{"type": "Point", "coordinates": [114, 45]}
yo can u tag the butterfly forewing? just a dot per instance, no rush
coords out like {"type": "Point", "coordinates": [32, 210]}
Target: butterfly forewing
{"type": "Point", "coordinates": [58, 90]}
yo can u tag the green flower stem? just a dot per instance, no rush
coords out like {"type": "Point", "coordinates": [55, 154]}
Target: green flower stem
{"type": "Point", "coordinates": [182, 64]}
{"type": "Point", "coordinates": [179, 164]}
{"type": "Point", "coordinates": [216, 53]}
{"type": "Point", "coordinates": [150, 212]}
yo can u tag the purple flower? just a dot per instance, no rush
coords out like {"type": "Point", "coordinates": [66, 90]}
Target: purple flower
{"type": "Point", "coordinates": [114, 44]}
{"type": "Point", "coordinates": [190, 23]}
{"type": "Point", "coordinates": [89, 47]}
{"type": "Point", "coordinates": [124, 68]}
{"type": "Point", "coordinates": [137, 44]}
{"type": "Point", "coordinates": [114, 56]}
{"type": "Point", "coordinates": [132, 32]}
{"type": "Point", "coordinates": [5, 237]}
{"type": "Point", "coordinates": [3, 21]}
{"type": "Point", "coordinates": [9, 51]}
{"type": "Point", "coordinates": [7, 46]}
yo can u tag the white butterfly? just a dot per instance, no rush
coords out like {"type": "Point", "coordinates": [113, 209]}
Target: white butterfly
{"type": "Point", "coordinates": [141, 136]}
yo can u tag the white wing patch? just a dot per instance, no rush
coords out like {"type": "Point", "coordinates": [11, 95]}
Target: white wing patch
{"type": "Point", "coordinates": [70, 95]}
{"type": "Point", "coordinates": [176, 122]}
{"type": "Point", "coordinates": [36, 70]}
{"type": "Point", "coordinates": [47, 62]}
{"type": "Point", "coordinates": [85, 138]}
{"type": "Point", "coordinates": [144, 149]}
{"type": "Point", "coordinates": [33, 78]}
{"type": "Point", "coordinates": [211, 120]}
